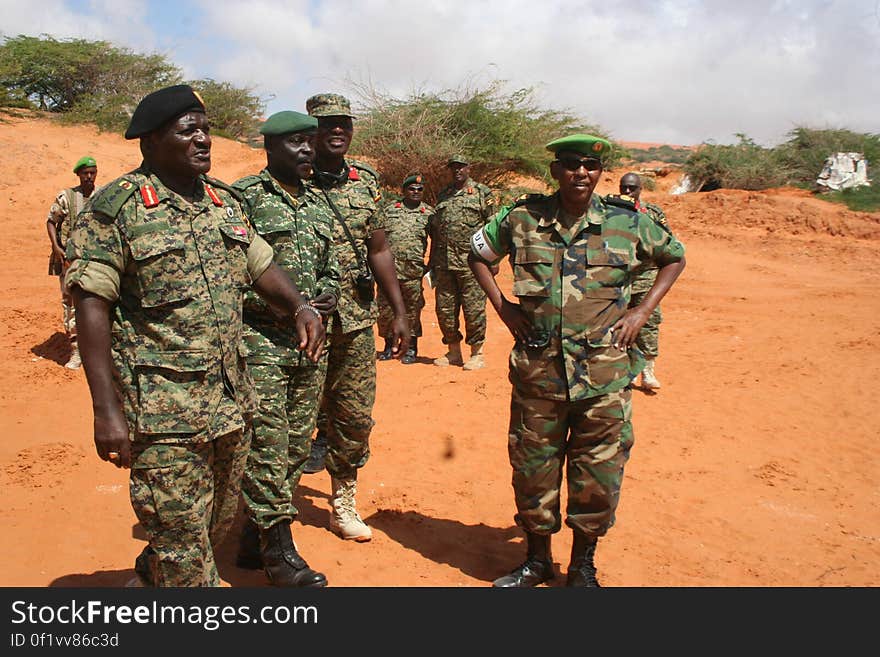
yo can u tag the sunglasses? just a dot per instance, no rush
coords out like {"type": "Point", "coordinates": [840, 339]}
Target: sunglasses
{"type": "Point", "coordinates": [415, 188]}
{"type": "Point", "coordinates": [574, 163]}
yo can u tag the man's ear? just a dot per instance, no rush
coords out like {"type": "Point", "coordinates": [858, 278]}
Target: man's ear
{"type": "Point", "coordinates": [554, 170]}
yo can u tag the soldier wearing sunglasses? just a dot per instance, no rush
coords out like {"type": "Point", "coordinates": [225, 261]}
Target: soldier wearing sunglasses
{"type": "Point", "coordinates": [574, 255]}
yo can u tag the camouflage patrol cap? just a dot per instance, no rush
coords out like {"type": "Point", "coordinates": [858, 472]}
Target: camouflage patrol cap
{"type": "Point", "coordinates": [458, 158]}
{"type": "Point", "coordinates": [282, 123]}
{"type": "Point", "coordinates": [160, 106]}
{"type": "Point", "coordinates": [589, 145]}
{"type": "Point", "coordinates": [329, 105]}
{"type": "Point", "coordinates": [411, 178]}
{"type": "Point", "coordinates": [84, 161]}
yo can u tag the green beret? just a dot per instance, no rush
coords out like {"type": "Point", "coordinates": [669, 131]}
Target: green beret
{"type": "Point", "coordinates": [458, 158]}
{"type": "Point", "coordinates": [160, 106]}
{"type": "Point", "coordinates": [84, 161]}
{"type": "Point", "coordinates": [584, 144]}
{"type": "Point", "coordinates": [282, 123]}
{"type": "Point", "coordinates": [412, 178]}
{"type": "Point", "coordinates": [329, 105]}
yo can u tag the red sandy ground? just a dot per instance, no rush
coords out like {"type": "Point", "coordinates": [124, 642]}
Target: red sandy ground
{"type": "Point", "coordinates": [755, 465]}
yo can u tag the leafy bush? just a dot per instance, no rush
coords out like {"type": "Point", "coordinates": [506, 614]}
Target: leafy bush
{"type": "Point", "coordinates": [664, 153]}
{"type": "Point", "coordinates": [805, 151]}
{"type": "Point", "coordinates": [96, 82]}
{"type": "Point", "coordinates": [500, 132]}
{"type": "Point", "coordinates": [745, 165]}
{"type": "Point", "coordinates": [862, 199]}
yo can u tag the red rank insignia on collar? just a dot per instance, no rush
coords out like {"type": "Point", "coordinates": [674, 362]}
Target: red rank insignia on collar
{"type": "Point", "coordinates": [422, 210]}
{"type": "Point", "coordinates": [470, 190]}
{"type": "Point", "coordinates": [398, 204]}
{"type": "Point", "coordinates": [214, 198]}
{"type": "Point", "coordinates": [148, 193]}
{"type": "Point", "coordinates": [353, 174]}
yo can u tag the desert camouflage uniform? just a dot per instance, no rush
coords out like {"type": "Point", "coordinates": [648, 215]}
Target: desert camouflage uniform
{"type": "Point", "coordinates": [570, 402]}
{"type": "Point", "coordinates": [67, 205]}
{"type": "Point", "coordinates": [407, 233]}
{"type": "Point", "coordinates": [300, 230]}
{"type": "Point", "coordinates": [350, 384]}
{"type": "Point", "coordinates": [175, 273]}
{"type": "Point", "coordinates": [457, 215]}
{"type": "Point", "coordinates": [649, 337]}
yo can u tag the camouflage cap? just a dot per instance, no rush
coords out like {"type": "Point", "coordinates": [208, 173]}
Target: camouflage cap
{"type": "Point", "coordinates": [411, 178]}
{"type": "Point", "coordinates": [580, 143]}
{"type": "Point", "coordinates": [458, 158]}
{"type": "Point", "coordinates": [84, 161]}
{"type": "Point", "coordinates": [329, 105]}
{"type": "Point", "coordinates": [282, 123]}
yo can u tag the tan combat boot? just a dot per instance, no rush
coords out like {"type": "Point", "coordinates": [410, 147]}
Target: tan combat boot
{"type": "Point", "coordinates": [452, 357]}
{"type": "Point", "coordinates": [74, 362]}
{"type": "Point", "coordinates": [648, 379]}
{"type": "Point", "coordinates": [345, 520]}
{"type": "Point", "coordinates": [475, 362]}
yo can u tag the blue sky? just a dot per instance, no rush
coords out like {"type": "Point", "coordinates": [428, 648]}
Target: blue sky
{"type": "Point", "coordinates": [677, 72]}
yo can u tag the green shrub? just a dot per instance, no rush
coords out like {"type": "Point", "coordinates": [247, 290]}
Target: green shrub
{"type": "Point", "coordinates": [745, 165]}
{"type": "Point", "coordinates": [862, 199]}
{"type": "Point", "coordinates": [804, 154]}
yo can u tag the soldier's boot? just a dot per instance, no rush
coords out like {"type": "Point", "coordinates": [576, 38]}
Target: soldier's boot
{"type": "Point", "coordinates": [581, 570]}
{"type": "Point", "coordinates": [249, 547]}
{"type": "Point", "coordinates": [143, 574]}
{"type": "Point", "coordinates": [318, 454]}
{"type": "Point", "coordinates": [452, 357]}
{"type": "Point", "coordinates": [282, 563]}
{"type": "Point", "coordinates": [648, 379]}
{"type": "Point", "coordinates": [74, 362]}
{"type": "Point", "coordinates": [536, 569]}
{"type": "Point", "coordinates": [386, 353]}
{"type": "Point", "coordinates": [475, 362]}
{"type": "Point", "coordinates": [410, 356]}
{"type": "Point", "coordinates": [344, 519]}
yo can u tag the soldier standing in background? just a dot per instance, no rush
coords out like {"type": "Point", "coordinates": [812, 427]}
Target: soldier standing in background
{"type": "Point", "coordinates": [649, 337]}
{"type": "Point", "coordinates": [573, 255]}
{"type": "Point", "coordinates": [351, 190]}
{"type": "Point", "coordinates": [406, 227]}
{"type": "Point", "coordinates": [159, 261]}
{"type": "Point", "coordinates": [67, 205]}
{"type": "Point", "coordinates": [462, 208]}
{"type": "Point", "coordinates": [299, 227]}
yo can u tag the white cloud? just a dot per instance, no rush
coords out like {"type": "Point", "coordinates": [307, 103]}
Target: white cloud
{"type": "Point", "coordinates": [679, 71]}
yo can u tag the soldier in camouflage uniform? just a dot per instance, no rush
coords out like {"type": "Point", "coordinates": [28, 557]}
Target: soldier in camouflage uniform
{"type": "Point", "coordinates": [406, 227]}
{"type": "Point", "coordinates": [299, 227]}
{"type": "Point", "coordinates": [573, 255]}
{"type": "Point", "coordinates": [462, 207]}
{"type": "Point", "coordinates": [351, 190]}
{"type": "Point", "coordinates": [160, 259]}
{"type": "Point", "coordinates": [649, 337]}
{"type": "Point", "coordinates": [67, 205]}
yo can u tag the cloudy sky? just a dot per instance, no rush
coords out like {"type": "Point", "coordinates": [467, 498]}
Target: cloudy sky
{"type": "Point", "coordinates": [678, 71]}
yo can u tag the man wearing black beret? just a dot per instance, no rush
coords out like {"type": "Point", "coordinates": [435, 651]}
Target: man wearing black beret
{"type": "Point", "coordinates": [160, 259]}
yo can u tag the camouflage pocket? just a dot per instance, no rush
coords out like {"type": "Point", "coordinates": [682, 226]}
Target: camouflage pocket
{"type": "Point", "coordinates": [160, 260]}
{"type": "Point", "coordinates": [533, 270]}
{"type": "Point", "coordinates": [174, 393]}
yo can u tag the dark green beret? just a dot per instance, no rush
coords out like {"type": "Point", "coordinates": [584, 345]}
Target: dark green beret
{"type": "Point", "coordinates": [282, 123]}
{"type": "Point", "coordinates": [329, 105]}
{"type": "Point", "coordinates": [458, 158]}
{"type": "Point", "coordinates": [160, 106]}
{"type": "Point", "coordinates": [583, 144]}
{"type": "Point", "coordinates": [84, 161]}
{"type": "Point", "coordinates": [412, 178]}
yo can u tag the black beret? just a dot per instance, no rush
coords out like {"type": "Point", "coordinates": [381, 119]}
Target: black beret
{"type": "Point", "coordinates": [160, 106]}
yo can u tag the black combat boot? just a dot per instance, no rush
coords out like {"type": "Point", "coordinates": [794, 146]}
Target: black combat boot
{"type": "Point", "coordinates": [536, 569]}
{"type": "Point", "coordinates": [318, 455]}
{"type": "Point", "coordinates": [281, 561]}
{"type": "Point", "coordinates": [581, 571]}
{"type": "Point", "coordinates": [249, 547]}
{"type": "Point", "coordinates": [386, 353]}
{"type": "Point", "coordinates": [410, 356]}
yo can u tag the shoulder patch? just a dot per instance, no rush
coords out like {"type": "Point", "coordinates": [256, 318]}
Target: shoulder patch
{"type": "Point", "coordinates": [219, 184]}
{"type": "Point", "coordinates": [112, 197]}
{"type": "Point", "coordinates": [621, 201]}
{"type": "Point", "coordinates": [247, 181]}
